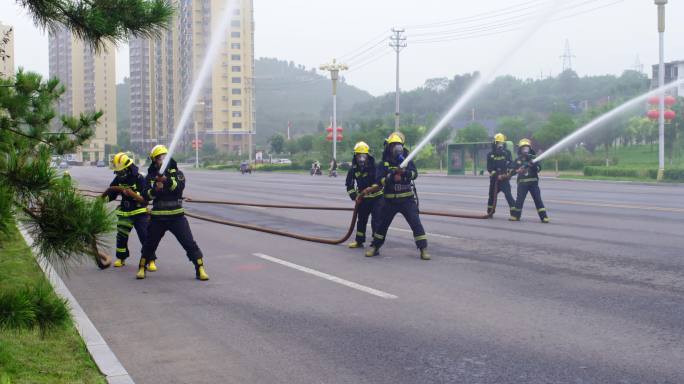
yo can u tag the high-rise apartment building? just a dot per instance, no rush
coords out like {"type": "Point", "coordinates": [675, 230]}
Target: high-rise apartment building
{"type": "Point", "coordinates": [163, 72]}
{"type": "Point", "coordinates": [7, 60]}
{"type": "Point", "coordinates": [90, 82]}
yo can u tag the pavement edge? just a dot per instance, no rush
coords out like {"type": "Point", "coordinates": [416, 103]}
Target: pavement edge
{"type": "Point", "coordinates": [104, 358]}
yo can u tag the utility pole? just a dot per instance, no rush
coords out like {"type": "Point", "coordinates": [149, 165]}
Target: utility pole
{"type": "Point", "coordinates": [567, 57]}
{"type": "Point", "coordinates": [334, 70]}
{"type": "Point", "coordinates": [661, 83]}
{"type": "Point", "coordinates": [398, 42]}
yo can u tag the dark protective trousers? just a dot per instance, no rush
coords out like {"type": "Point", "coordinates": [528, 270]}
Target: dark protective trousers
{"type": "Point", "coordinates": [368, 207]}
{"type": "Point", "coordinates": [533, 189]}
{"type": "Point", "coordinates": [123, 229]}
{"type": "Point", "coordinates": [409, 209]}
{"type": "Point", "coordinates": [179, 227]}
{"type": "Point", "coordinates": [505, 187]}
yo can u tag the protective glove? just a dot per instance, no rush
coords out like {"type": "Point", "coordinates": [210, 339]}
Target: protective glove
{"type": "Point", "coordinates": [353, 196]}
{"type": "Point", "coordinates": [159, 183]}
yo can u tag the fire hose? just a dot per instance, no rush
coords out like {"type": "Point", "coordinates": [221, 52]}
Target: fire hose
{"type": "Point", "coordinates": [104, 262]}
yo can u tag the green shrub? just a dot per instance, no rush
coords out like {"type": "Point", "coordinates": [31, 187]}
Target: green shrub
{"type": "Point", "coordinates": [51, 311]}
{"type": "Point", "coordinates": [16, 310]}
{"type": "Point", "coordinates": [675, 174]}
{"type": "Point", "coordinates": [36, 306]}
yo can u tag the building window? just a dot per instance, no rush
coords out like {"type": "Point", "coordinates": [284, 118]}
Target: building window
{"type": "Point", "coordinates": [237, 103]}
{"type": "Point", "coordinates": [235, 23]}
{"type": "Point", "coordinates": [235, 57]}
{"type": "Point", "coordinates": [235, 45]}
{"type": "Point", "coordinates": [236, 80]}
{"type": "Point", "coordinates": [236, 68]}
{"type": "Point", "coordinates": [236, 12]}
{"type": "Point", "coordinates": [237, 114]}
{"type": "Point", "coordinates": [236, 91]}
{"type": "Point", "coordinates": [235, 35]}
{"type": "Point", "coordinates": [237, 125]}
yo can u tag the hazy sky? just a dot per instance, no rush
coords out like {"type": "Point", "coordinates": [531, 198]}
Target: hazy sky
{"type": "Point", "coordinates": [444, 37]}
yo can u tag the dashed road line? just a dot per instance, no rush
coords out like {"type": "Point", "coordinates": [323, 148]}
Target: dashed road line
{"type": "Point", "coordinates": [328, 277]}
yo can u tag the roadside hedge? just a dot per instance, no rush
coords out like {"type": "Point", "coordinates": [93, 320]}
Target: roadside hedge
{"type": "Point", "coordinates": [672, 174]}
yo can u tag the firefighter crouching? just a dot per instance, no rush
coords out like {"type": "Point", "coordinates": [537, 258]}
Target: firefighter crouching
{"type": "Point", "coordinates": [528, 181]}
{"type": "Point", "coordinates": [132, 212]}
{"type": "Point", "coordinates": [398, 194]}
{"type": "Point", "coordinates": [498, 164]}
{"type": "Point", "coordinates": [166, 193]}
{"type": "Point", "coordinates": [360, 183]}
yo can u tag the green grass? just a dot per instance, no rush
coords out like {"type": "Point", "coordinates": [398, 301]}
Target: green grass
{"type": "Point", "coordinates": [28, 355]}
{"type": "Point", "coordinates": [641, 156]}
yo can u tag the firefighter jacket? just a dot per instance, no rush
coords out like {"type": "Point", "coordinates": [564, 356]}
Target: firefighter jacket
{"type": "Point", "coordinates": [530, 170]}
{"type": "Point", "coordinates": [167, 202]}
{"type": "Point", "coordinates": [499, 161]}
{"type": "Point", "coordinates": [386, 172]}
{"type": "Point", "coordinates": [136, 182]}
{"type": "Point", "coordinates": [359, 179]}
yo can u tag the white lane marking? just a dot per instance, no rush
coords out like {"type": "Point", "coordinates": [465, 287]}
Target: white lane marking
{"type": "Point", "coordinates": [328, 277]}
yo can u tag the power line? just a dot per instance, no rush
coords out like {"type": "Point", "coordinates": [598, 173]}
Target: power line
{"type": "Point", "coordinates": [567, 57]}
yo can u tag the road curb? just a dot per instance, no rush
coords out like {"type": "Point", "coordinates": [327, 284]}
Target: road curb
{"type": "Point", "coordinates": [104, 358]}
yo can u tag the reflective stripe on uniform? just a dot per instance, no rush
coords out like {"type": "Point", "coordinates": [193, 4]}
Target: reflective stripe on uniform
{"type": "Point", "coordinates": [379, 237]}
{"type": "Point", "coordinates": [376, 194]}
{"type": "Point", "coordinates": [351, 191]}
{"type": "Point", "coordinates": [398, 195]}
{"type": "Point", "coordinates": [541, 210]}
{"type": "Point", "coordinates": [174, 184]}
{"type": "Point", "coordinates": [528, 180]}
{"type": "Point", "coordinates": [124, 223]}
{"type": "Point", "coordinates": [123, 231]}
{"type": "Point", "coordinates": [131, 213]}
{"type": "Point", "coordinates": [122, 250]}
{"type": "Point", "coordinates": [167, 213]}
{"type": "Point", "coordinates": [421, 237]}
{"type": "Point", "coordinates": [359, 233]}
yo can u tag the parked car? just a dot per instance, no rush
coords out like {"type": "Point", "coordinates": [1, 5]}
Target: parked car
{"type": "Point", "coordinates": [245, 168]}
{"type": "Point", "coordinates": [100, 164]}
{"type": "Point", "coordinates": [63, 165]}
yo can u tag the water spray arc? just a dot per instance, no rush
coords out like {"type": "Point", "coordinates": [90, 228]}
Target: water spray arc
{"type": "Point", "coordinates": [572, 138]}
{"type": "Point", "coordinates": [481, 81]}
{"type": "Point", "coordinates": [218, 37]}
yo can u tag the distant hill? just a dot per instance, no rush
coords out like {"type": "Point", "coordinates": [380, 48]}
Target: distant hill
{"type": "Point", "coordinates": [286, 92]}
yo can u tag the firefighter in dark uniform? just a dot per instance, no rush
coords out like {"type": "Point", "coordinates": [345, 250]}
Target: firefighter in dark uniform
{"type": "Point", "coordinates": [361, 184]}
{"type": "Point", "coordinates": [166, 193]}
{"type": "Point", "coordinates": [132, 212]}
{"type": "Point", "coordinates": [498, 164]}
{"type": "Point", "coordinates": [528, 181]}
{"type": "Point", "coordinates": [398, 194]}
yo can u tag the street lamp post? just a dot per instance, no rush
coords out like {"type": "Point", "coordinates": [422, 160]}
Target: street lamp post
{"type": "Point", "coordinates": [334, 70]}
{"type": "Point", "coordinates": [661, 83]}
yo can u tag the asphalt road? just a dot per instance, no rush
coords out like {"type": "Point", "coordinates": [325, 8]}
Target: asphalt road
{"type": "Point", "coordinates": [597, 296]}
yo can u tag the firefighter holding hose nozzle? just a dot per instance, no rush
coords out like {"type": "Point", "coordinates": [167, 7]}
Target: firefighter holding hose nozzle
{"type": "Point", "coordinates": [360, 184]}
{"type": "Point", "coordinates": [498, 163]}
{"type": "Point", "coordinates": [166, 192]}
{"type": "Point", "coordinates": [132, 212]}
{"type": "Point", "coordinates": [528, 181]}
{"type": "Point", "coordinates": [399, 195]}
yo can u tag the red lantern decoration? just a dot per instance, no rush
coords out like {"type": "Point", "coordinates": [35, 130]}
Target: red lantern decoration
{"type": "Point", "coordinates": [670, 100]}
{"type": "Point", "coordinates": [654, 100]}
{"type": "Point", "coordinates": [339, 137]}
{"type": "Point", "coordinates": [329, 129]}
{"type": "Point", "coordinates": [670, 115]}
{"type": "Point", "coordinates": [653, 114]}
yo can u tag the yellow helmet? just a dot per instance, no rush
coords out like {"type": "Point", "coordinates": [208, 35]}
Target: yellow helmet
{"type": "Point", "coordinates": [524, 142]}
{"type": "Point", "coordinates": [361, 147]}
{"type": "Point", "coordinates": [121, 161]}
{"type": "Point", "coordinates": [499, 138]}
{"type": "Point", "coordinates": [158, 150]}
{"type": "Point", "coordinates": [396, 137]}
